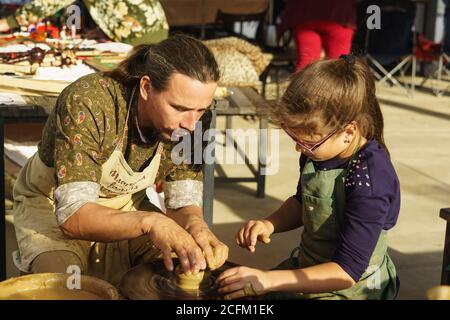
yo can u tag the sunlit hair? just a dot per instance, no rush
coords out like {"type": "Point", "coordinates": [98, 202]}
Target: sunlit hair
{"type": "Point", "coordinates": [329, 94]}
{"type": "Point", "coordinates": [177, 54]}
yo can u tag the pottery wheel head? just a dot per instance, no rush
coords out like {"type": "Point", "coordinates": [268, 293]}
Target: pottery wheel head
{"type": "Point", "coordinates": [153, 282]}
{"type": "Point", "coordinates": [198, 281]}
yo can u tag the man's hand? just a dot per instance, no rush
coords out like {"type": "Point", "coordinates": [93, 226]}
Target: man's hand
{"type": "Point", "coordinates": [4, 27]}
{"type": "Point", "coordinates": [252, 231]}
{"type": "Point", "coordinates": [109, 225]}
{"type": "Point", "coordinates": [191, 219]}
{"type": "Point", "coordinates": [215, 252]}
{"type": "Point", "coordinates": [168, 236]}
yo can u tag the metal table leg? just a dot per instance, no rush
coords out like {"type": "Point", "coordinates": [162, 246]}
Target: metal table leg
{"type": "Point", "coordinates": [445, 278]}
{"type": "Point", "coordinates": [228, 122]}
{"type": "Point", "coordinates": [262, 158]}
{"type": "Point", "coordinates": [2, 206]}
{"type": "Point", "coordinates": [208, 177]}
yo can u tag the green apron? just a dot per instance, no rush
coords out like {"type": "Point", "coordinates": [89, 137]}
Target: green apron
{"type": "Point", "coordinates": [323, 197]}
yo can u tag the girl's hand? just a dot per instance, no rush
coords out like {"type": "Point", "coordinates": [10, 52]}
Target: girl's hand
{"type": "Point", "coordinates": [252, 231]}
{"type": "Point", "coordinates": [241, 282]}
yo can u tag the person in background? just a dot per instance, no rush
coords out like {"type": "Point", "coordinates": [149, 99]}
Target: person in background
{"type": "Point", "coordinates": [317, 25]}
{"type": "Point", "coordinates": [129, 21]}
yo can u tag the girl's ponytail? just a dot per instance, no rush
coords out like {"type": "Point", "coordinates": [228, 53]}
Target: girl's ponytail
{"type": "Point", "coordinates": [372, 107]}
{"type": "Point", "coordinates": [378, 123]}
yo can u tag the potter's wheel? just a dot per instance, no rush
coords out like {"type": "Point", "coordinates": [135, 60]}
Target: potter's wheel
{"type": "Point", "coordinates": [152, 281]}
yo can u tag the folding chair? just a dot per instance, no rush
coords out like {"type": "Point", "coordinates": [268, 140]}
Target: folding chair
{"type": "Point", "coordinates": [390, 49]}
{"type": "Point", "coordinates": [443, 69]}
{"type": "Point", "coordinates": [443, 57]}
{"type": "Point", "coordinates": [284, 57]}
{"type": "Point", "coordinates": [432, 52]}
{"type": "Point", "coordinates": [225, 25]}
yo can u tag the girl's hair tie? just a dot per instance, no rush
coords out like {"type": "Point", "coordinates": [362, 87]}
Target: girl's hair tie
{"type": "Point", "coordinates": [349, 59]}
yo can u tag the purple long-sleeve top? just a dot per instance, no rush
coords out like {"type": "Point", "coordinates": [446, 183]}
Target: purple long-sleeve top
{"type": "Point", "coordinates": [372, 193]}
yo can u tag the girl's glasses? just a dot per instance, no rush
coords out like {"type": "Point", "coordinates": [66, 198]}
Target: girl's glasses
{"type": "Point", "coordinates": [310, 147]}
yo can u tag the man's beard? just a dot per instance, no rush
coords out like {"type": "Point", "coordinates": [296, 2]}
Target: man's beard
{"type": "Point", "coordinates": [152, 134]}
{"type": "Point", "coordinates": [164, 137]}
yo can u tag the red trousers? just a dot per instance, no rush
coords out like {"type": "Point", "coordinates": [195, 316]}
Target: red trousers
{"type": "Point", "coordinates": [311, 37]}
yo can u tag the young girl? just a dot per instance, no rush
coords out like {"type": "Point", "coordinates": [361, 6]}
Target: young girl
{"type": "Point", "coordinates": [348, 195]}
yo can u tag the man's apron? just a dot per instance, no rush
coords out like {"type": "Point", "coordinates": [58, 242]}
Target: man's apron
{"type": "Point", "coordinates": [35, 221]}
{"type": "Point", "coordinates": [323, 197]}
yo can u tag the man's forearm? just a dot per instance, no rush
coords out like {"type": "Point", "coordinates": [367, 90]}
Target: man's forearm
{"type": "Point", "coordinates": [187, 216]}
{"type": "Point", "coordinates": [94, 222]}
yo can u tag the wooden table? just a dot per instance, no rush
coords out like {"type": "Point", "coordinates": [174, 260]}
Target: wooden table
{"type": "Point", "coordinates": [445, 279]}
{"type": "Point", "coordinates": [247, 102]}
{"type": "Point", "coordinates": [244, 102]}
{"type": "Point", "coordinates": [198, 12]}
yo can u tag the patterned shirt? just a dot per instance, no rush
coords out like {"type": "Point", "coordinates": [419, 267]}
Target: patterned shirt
{"type": "Point", "coordinates": [82, 132]}
{"type": "Point", "coordinates": [121, 20]}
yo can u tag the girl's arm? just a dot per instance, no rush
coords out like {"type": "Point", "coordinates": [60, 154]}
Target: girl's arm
{"type": "Point", "coordinates": [326, 277]}
{"type": "Point", "coordinates": [287, 217]}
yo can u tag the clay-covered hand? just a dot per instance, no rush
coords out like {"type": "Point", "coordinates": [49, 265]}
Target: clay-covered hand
{"type": "Point", "coordinates": [252, 231]}
{"type": "Point", "coordinates": [241, 282]}
{"type": "Point", "coordinates": [168, 236]}
{"type": "Point", "coordinates": [4, 27]}
{"type": "Point", "coordinates": [215, 251]}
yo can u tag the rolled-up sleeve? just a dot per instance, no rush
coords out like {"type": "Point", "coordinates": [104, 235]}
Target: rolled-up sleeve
{"type": "Point", "coordinates": [184, 187]}
{"type": "Point", "coordinates": [182, 193]}
{"type": "Point", "coordinates": [79, 144]}
{"type": "Point", "coordinates": [72, 196]}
